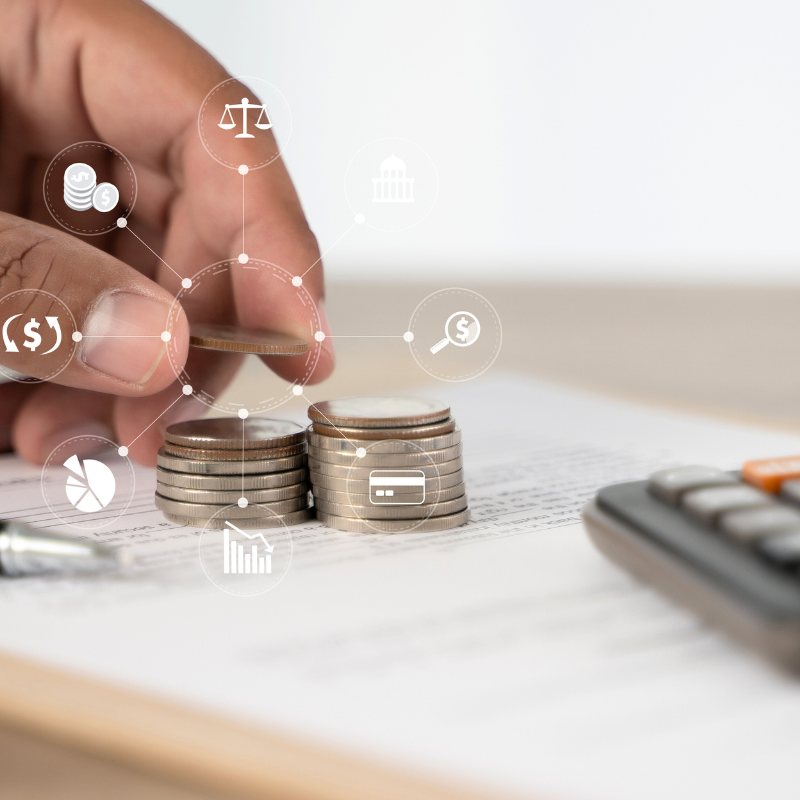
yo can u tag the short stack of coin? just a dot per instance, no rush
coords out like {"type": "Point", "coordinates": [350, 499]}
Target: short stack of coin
{"type": "Point", "coordinates": [354, 443]}
{"type": "Point", "coordinates": [208, 464]}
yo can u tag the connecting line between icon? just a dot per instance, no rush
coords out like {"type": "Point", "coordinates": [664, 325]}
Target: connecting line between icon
{"type": "Point", "coordinates": [123, 450]}
{"type": "Point", "coordinates": [328, 250]}
{"type": "Point", "coordinates": [298, 391]}
{"type": "Point", "coordinates": [185, 282]}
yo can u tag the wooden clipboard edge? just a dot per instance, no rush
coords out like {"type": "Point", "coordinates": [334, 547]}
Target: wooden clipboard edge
{"type": "Point", "coordinates": [195, 748]}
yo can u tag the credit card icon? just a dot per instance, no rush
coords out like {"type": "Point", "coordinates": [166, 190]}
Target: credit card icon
{"type": "Point", "coordinates": [399, 487]}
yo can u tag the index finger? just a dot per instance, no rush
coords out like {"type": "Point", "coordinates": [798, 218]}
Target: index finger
{"type": "Point", "coordinates": [142, 83]}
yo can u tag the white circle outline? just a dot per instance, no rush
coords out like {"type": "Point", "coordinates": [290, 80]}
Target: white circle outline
{"type": "Point", "coordinates": [114, 224]}
{"type": "Point", "coordinates": [369, 523]}
{"type": "Point", "coordinates": [242, 79]}
{"type": "Point", "coordinates": [206, 530]}
{"type": "Point", "coordinates": [365, 221]}
{"type": "Point", "coordinates": [283, 275]}
{"type": "Point", "coordinates": [115, 447]}
{"type": "Point", "coordinates": [484, 366]}
{"type": "Point", "coordinates": [28, 379]}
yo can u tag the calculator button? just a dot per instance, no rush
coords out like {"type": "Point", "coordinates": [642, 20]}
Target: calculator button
{"type": "Point", "coordinates": [670, 484]}
{"type": "Point", "coordinates": [708, 504]}
{"type": "Point", "coordinates": [750, 524]}
{"type": "Point", "coordinates": [768, 474]}
{"type": "Point", "coordinates": [790, 491]}
{"type": "Point", "coordinates": [782, 548]}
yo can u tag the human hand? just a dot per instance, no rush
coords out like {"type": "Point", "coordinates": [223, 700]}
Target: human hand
{"type": "Point", "coordinates": [118, 72]}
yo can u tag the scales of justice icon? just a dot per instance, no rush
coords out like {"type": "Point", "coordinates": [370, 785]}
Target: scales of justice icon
{"type": "Point", "coordinates": [227, 122]}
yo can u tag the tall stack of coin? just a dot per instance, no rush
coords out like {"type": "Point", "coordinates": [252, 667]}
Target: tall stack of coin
{"type": "Point", "coordinates": [386, 464]}
{"type": "Point", "coordinates": [80, 181]}
{"type": "Point", "coordinates": [208, 464]}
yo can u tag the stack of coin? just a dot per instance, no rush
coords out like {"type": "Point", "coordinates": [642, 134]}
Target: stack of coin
{"type": "Point", "coordinates": [208, 464]}
{"type": "Point", "coordinates": [80, 181]}
{"type": "Point", "coordinates": [386, 464]}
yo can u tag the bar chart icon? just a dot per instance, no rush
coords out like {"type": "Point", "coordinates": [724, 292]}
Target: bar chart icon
{"type": "Point", "coordinates": [240, 559]}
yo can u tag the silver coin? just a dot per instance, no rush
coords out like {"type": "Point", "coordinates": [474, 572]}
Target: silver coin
{"type": "Point", "coordinates": [255, 523]}
{"type": "Point", "coordinates": [225, 433]}
{"type": "Point", "coordinates": [199, 454]}
{"type": "Point", "coordinates": [232, 496]}
{"type": "Point", "coordinates": [232, 483]}
{"type": "Point", "coordinates": [379, 412]}
{"type": "Point", "coordinates": [75, 206]}
{"type": "Point", "coordinates": [206, 510]}
{"type": "Point", "coordinates": [393, 512]}
{"type": "Point", "coordinates": [361, 485]}
{"type": "Point", "coordinates": [363, 473]}
{"type": "Point", "coordinates": [410, 432]}
{"type": "Point", "coordinates": [194, 467]}
{"type": "Point", "coordinates": [81, 196]}
{"type": "Point", "coordinates": [387, 445]}
{"type": "Point", "coordinates": [105, 197]}
{"type": "Point", "coordinates": [412, 458]}
{"type": "Point", "coordinates": [79, 177]}
{"type": "Point", "coordinates": [394, 525]}
{"type": "Point", "coordinates": [346, 498]}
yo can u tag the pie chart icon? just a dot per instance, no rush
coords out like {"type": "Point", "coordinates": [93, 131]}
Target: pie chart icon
{"type": "Point", "coordinates": [91, 486]}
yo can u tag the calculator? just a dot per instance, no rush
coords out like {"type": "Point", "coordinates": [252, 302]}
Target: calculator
{"type": "Point", "coordinates": [724, 544]}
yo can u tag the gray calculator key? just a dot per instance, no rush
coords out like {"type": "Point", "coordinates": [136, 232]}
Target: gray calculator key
{"type": "Point", "coordinates": [783, 548]}
{"type": "Point", "coordinates": [790, 490]}
{"type": "Point", "coordinates": [671, 484]}
{"type": "Point", "coordinates": [707, 504]}
{"type": "Point", "coordinates": [750, 524]}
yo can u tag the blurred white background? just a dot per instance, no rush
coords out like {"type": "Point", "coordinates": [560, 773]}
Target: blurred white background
{"type": "Point", "coordinates": [644, 141]}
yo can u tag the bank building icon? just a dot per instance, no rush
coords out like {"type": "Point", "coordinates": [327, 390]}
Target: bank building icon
{"type": "Point", "coordinates": [393, 186]}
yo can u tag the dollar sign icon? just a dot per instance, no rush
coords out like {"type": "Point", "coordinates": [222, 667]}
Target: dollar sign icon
{"type": "Point", "coordinates": [106, 198]}
{"type": "Point", "coordinates": [463, 329]}
{"type": "Point", "coordinates": [35, 339]}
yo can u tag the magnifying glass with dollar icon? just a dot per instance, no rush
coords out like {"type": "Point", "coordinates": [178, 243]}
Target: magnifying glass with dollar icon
{"type": "Point", "coordinates": [461, 329]}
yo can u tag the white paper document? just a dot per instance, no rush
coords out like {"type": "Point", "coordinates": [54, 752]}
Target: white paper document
{"type": "Point", "coordinates": [506, 654]}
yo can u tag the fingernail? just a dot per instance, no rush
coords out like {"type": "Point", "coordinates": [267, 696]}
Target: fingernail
{"type": "Point", "coordinates": [140, 321]}
{"type": "Point", "coordinates": [89, 430]}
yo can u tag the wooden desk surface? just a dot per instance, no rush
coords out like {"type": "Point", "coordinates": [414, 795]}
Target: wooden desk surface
{"type": "Point", "coordinates": [718, 351]}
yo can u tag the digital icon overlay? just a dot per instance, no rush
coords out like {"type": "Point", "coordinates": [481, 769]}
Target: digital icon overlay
{"type": "Point", "coordinates": [79, 192]}
{"type": "Point", "coordinates": [32, 337]}
{"type": "Point", "coordinates": [228, 123]}
{"type": "Point", "coordinates": [236, 561]}
{"type": "Point", "coordinates": [245, 555]}
{"type": "Point", "coordinates": [472, 334]}
{"type": "Point", "coordinates": [467, 331]}
{"type": "Point", "coordinates": [86, 483]}
{"type": "Point", "coordinates": [393, 186]}
{"type": "Point", "coordinates": [384, 486]}
{"type": "Point", "coordinates": [91, 485]}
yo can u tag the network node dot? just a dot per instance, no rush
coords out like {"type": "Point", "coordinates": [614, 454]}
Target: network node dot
{"type": "Point", "coordinates": [187, 389]}
{"type": "Point", "coordinates": [166, 336]}
{"type": "Point", "coordinates": [408, 336]}
{"type": "Point", "coordinates": [297, 390]}
{"type": "Point", "coordinates": [123, 451]}
{"type": "Point", "coordinates": [243, 413]}
{"type": "Point", "coordinates": [243, 169]}
{"type": "Point", "coordinates": [297, 281]}
{"type": "Point", "coordinates": [186, 283]}
{"type": "Point", "coordinates": [242, 501]}
{"type": "Point", "coordinates": [244, 258]}
{"type": "Point", "coordinates": [122, 222]}
{"type": "Point", "coordinates": [360, 219]}
{"type": "Point", "coordinates": [361, 452]}
{"type": "Point", "coordinates": [319, 336]}
{"type": "Point", "coordinates": [77, 336]}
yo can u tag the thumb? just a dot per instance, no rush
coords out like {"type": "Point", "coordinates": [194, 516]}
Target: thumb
{"type": "Point", "coordinates": [53, 286]}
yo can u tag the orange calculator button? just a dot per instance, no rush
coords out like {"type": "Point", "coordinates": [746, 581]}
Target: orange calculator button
{"type": "Point", "coordinates": [768, 474]}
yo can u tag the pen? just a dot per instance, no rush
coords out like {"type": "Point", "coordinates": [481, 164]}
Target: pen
{"type": "Point", "coordinates": [25, 550]}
